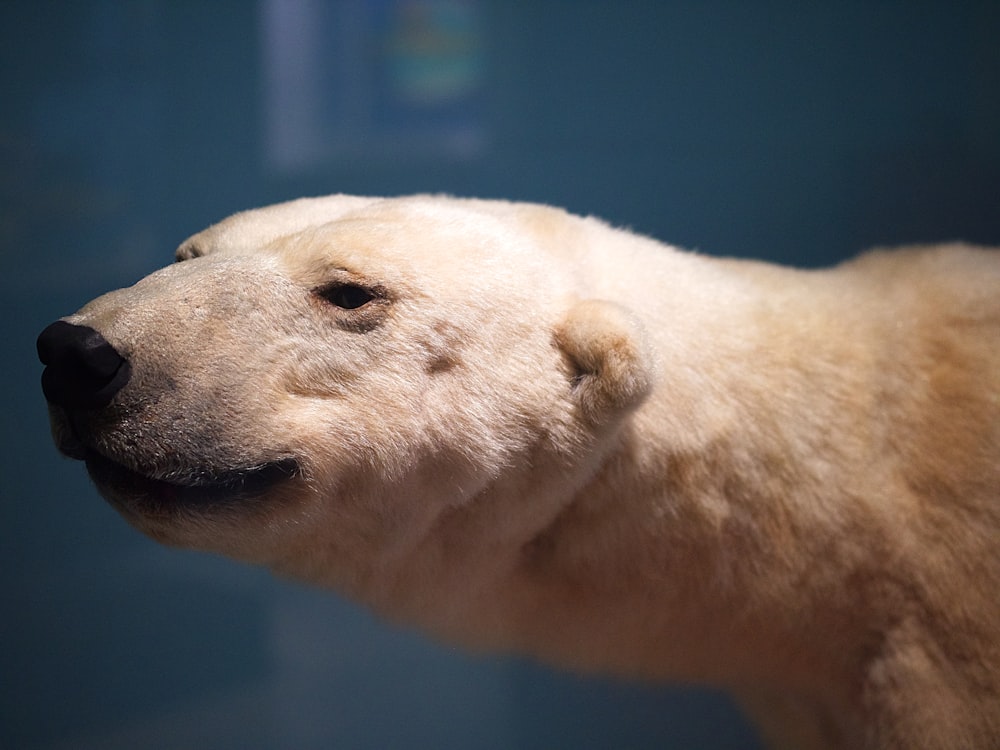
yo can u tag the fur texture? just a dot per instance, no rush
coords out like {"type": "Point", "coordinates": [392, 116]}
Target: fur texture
{"type": "Point", "coordinates": [541, 434]}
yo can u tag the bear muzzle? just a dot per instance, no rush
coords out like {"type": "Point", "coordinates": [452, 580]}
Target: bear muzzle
{"type": "Point", "coordinates": [83, 373]}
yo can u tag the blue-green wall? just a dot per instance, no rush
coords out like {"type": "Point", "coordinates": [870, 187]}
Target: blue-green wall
{"type": "Point", "coordinates": [797, 131]}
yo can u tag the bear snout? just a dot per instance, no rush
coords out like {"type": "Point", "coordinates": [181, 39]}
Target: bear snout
{"type": "Point", "coordinates": [83, 370]}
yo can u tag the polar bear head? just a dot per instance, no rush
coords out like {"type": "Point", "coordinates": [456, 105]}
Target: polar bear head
{"type": "Point", "coordinates": [316, 385]}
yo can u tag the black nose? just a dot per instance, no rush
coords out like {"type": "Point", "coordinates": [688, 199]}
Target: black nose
{"type": "Point", "coordinates": [83, 371]}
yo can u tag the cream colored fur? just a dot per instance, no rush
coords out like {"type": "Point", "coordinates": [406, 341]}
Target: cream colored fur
{"type": "Point", "coordinates": [549, 436]}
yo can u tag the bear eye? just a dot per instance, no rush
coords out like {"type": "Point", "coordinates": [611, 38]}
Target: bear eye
{"type": "Point", "coordinates": [346, 296]}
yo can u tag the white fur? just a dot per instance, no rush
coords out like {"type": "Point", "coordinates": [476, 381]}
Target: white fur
{"type": "Point", "coordinates": [559, 438]}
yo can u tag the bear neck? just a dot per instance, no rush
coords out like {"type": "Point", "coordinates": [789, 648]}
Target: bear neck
{"type": "Point", "coordinates": [743, 526]}
{"type": "Point", "coordinates": [710, 516]}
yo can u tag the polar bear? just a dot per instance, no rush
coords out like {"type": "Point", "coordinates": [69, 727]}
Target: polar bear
{"type": "Point", "coordinates": [524, 430]}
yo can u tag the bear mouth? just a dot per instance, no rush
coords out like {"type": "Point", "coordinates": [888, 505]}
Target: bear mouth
{"type": "Point", "coordinates": [198, 490]}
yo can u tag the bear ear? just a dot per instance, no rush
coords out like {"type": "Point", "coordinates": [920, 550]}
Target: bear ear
{"type": "Point", "coordinates": [612, 368]}
{"type": "Point", "coordinates": [190, 248]}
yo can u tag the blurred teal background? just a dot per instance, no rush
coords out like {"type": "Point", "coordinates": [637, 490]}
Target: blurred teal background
{"type": "Point", "coordinates": [796, 131]}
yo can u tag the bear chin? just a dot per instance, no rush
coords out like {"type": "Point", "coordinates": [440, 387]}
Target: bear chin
{"type": "Point", "coordinates": [199, 490]}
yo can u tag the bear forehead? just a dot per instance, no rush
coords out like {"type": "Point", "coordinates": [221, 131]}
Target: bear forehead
{"type": "Point", "coordinates": [409, 241]}
{"type": "Point", "coordinates": [411, 216]}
